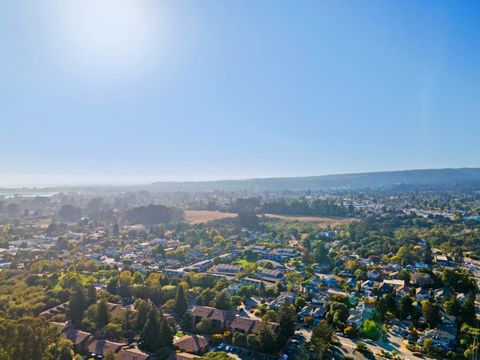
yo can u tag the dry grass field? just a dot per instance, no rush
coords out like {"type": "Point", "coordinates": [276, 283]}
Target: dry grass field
{"type": "Point", "coordinates": [203, 216]}
{"type": "Point", "coordinates": [321, 221]}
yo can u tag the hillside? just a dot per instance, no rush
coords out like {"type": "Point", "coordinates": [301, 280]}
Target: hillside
{"type": "Point", "coordinates": [430, 178]}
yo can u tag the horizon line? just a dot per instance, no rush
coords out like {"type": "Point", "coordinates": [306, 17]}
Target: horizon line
{"type": "Point", "coordinates": [127, 180]}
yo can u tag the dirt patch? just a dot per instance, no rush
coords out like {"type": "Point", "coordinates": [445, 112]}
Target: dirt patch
{"type": "Point", "coordinates": [203, 216]}
{"type": "Point", "coordinates": [320, 220]}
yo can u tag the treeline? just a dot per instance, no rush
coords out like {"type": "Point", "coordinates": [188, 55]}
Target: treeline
{"type": "Point", "coordinates": [301, 207]}
{"type": "Point", "coordinates": [153, 215]}
{"type": "Point", "coordinates": [33, 339]}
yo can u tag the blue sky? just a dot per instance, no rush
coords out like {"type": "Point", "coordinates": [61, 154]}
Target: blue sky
{"type": "Point", "coordinates": [144, 90]}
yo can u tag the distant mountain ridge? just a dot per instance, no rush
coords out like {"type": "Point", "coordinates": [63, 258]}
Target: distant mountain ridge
{"type": "Point", "coordinates": [371, 180]}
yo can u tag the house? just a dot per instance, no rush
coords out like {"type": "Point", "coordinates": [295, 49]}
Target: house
{"type": "Point", "coordinates": [368, 285]}
{"type": "Point", "coordinates": [59, 309]}
{"type": "Point", "coordinates": [199, 266]}
{"type": "Point", "coordinates": [227, 269]}
{"type": "Point", "coordinates": [421, 265]}
{"type": "Point", "coordinates": [385, 288]}
{"type": "Point", "coordinates": [280, 254]}
{"type": "Point", "coordinates": [422, 294]}
{"type": "Point", "coordinates": [440, 338]}
{"type": "Point", "coordinates": [222, 318]}
{"type": "Point", "coordinates": [283, 298]}
{"type": "Point", "coordinates": [332, 280]}
{"type": "Point", "coordinates": [373, 274]}
{"type": "Point", "coordinates": [248, 281]}
{"type": "Point", "coordinates": [315, 311]}
{"type": "Point", "coordinates": [195, 344]}
{"type": "Point", "coordinates": [80, 339]}
{"type": "Point", "coordinates": [103, 347]}
{"type": "Point", "coordinates": [132, 354]}
{"type": "Point", "coordinates": [252, 326]}
{"type": "Point", "coordinates": [352, 283]}
{"type": "Point", "coordinates": [184, 356]}
{"type": "Point", "coordinates": [270, 275]}
{"type": "Point", "coordinates": [359, 314]}
{"type": "Point", "coordinates": [442, 260]}
{"type": "Point", "coordinates": [258, 248]}
{"type": "Point", "coordinates": [390, 286]}
{"type": "Point", "coordinates": [84, 342]}
{"type": "Point", "coordinates": [230, 320]}
{"type": "Point", "coordinates": [275, 265]}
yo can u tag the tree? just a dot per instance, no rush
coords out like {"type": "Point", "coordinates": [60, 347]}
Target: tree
{"type": "Point", "coordinates": [60, 350]}
{"type": "Point", "coordinates": [156, 334]}
{"type": "Point", "coordinates": [112, 286]}
{"type": "Point", "coordinates": [428, 345]}
{"type": "Point", "coordinates": [181, 302]}
{"type": "Point", "coordinates": [458, 255]}
{"type": "Point", "coordinates": [248, 220]}
{"type": "Point", "coordinates": [321, 253]}
{"type": "Point", "coordinates": [467, 312]}
{"type": "Point", "coordinates": [404, 275]}
{"type": "Point", "coordinates": [405, 307]}
{"type": "Point", "coordinates": [267, 340]}
{"type": "Point", "coordinates": [322, 339]}
{"type": "Point", "coordinates": [371, 330]}
{"type": "Point", "coordinates": [103, 315]}
{"type": "Point", "coordinates": [286, 319]}
{"type": "Point", "coordinates": [452, 306]}
{"type": "Point", "coordinates": [235, 301]}
{"type": "Point", "coordinates": [239, 339]}
{"type": "Point", "coordinates": [253, 343]}
{"type": "Point", "coordinates": [427, 255]}
{"type": "Point", "coordinates": [124, 282]}
{"type": "Point", "coordinates": [149, 334]}
{"type": "Point", "coordinates": [113, 331]}
{"type": "Point", "coordinates": [91, 294]}
{"type": "Point", "coordinates": [137, 278]}
{"type": "Point", "coordinates": [128, 326]}
{"type": "Point", "coordinates": [143, 308]}
{"type": "Point", "coordinates": [77, 306]}
{"type": "Point", "coordinates": [166, 336]}
{"type": "Point", "coordinates": [27, 338]}
{"type": "Point", "coordinates": [431, 313]}
{"type": "Point", "coordinates": [222, 300]}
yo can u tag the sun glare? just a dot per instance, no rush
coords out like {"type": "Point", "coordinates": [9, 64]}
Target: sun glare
{"type": "Point", "coordinates": [107, 37]}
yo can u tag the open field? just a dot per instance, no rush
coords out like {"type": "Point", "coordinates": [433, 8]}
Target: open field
{"type": "Point", "coordinates": [203, 216]}
{"type": "Point", "coordinates": [320, 220]}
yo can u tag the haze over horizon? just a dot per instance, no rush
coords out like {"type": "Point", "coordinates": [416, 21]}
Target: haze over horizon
{"type": "Point", "coordinates": [136, 91]}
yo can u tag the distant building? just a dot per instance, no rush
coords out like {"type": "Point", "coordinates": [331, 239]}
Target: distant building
{"type": "Point", "coordinates": [227, 269]}
{"type": "Point", "coordinates": [195, 344]}
{"type": "Point", "coordinates": [270, 275]}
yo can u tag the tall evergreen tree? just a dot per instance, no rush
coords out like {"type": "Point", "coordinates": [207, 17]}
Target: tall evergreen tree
{"type": "Point", "coordinates": [102, 315]}
{"type": "Point", "coordinates": [77, 306]}
{"type": "Point", "coordinates": [91, 294]}
{"type": "Point", "coordinates": [149, 334]}
{"type": "Point", "coordinates": [181, 302]}
{"type": "Point", "coordinates": [427, 255]}
{"type": "Point", "coordinates": [222, 300]}
{"type": "Point", "coordinates": [165, 336]}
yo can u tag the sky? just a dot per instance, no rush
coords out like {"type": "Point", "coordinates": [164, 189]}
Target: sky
{"type": "Point", "coordinates": [132, 91]}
